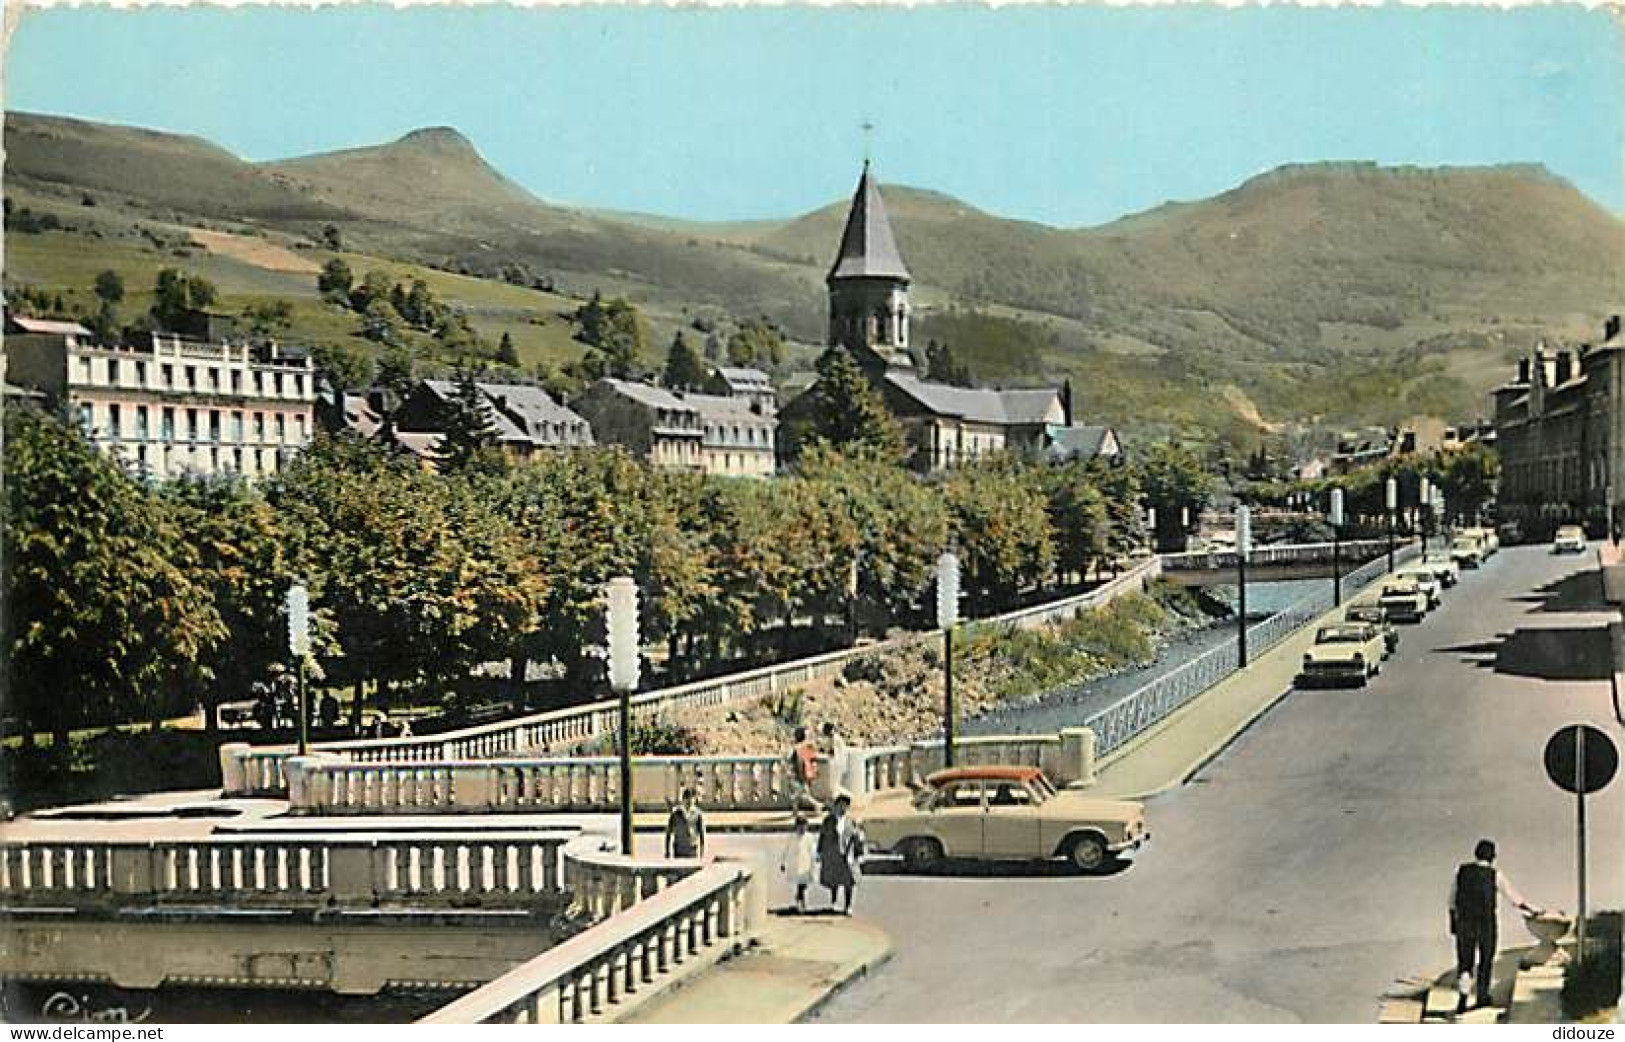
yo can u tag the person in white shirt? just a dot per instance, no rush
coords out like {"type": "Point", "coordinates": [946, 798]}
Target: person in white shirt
{"type": "Point", "coordinates": [1473, 895]}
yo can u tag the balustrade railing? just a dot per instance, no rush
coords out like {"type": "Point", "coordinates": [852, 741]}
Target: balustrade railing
{"type": "Point", "coordinates": [258, 770]}
{"type": "Point", "coordinates": [600, 973]}
{"type": "Point", "coordinates": [1279, 553]}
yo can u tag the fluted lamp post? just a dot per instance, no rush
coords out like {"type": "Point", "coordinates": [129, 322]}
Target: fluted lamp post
{"type": "Point", "coordinates": [947, 619]}
{"type": "Point", "coordinates": [1424, 502]}
{"type": "Point", "coordinates": [621, 607]}
{"type": "Point", "coordinates": [298, 611]}
{"type": "Point", "coordinates": [1334, 516]}
{"type": "Point", "coordinates": [1244, 544]}
{"type": "Point", "coordinates": [1391, 503]}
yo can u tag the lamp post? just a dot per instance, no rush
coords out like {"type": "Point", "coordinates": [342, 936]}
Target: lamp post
{"type": "Point", "coordinates": [1151, 526]}
{"type": "Point", "coordinates": [1244, 543]}
{"type": "Point", "coordinates": [621, 607]}
{"type": "Point", "coordinates": [1424, 501]}
{"type": "Point", "coordinates": [947, 619]}
{"type": "Point", "coordinates": [298, 611]}
{"type": "Point", "coordinates": [1335, 517]}
{"type": "Point", "coordinates": [1390, 504]}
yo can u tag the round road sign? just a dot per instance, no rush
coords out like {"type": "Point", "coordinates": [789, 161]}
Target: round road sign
{"type": "Point", "coordinates": [1563, 758]}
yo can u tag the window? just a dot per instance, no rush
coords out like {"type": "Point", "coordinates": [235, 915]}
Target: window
{"type": "Point", "coordinates": [141, 422]}
{"type": "Point", "coordinates": [87, 417]}
{"type": "Point", "coordinates": [112, 370]}
{"type": "Point", "coordinates": [168, 374]}
{"type": "Point", "coordinates": [191, 378]}
{"type": "Point", "coordinates": [141, 374]}
{"type": "Point", "coordinates": [236, 381]}
{"type": "Point", "coordinates": [1009, 794]}
{"type": "Point", "coordinates": [299, 426]}
{"type": "Point", "coordinates": [299, 385]}
{"type": "Point", "coordinates": [166, 426]}
{"type": "Point", "coordinates": [237, 460]}
{"type": "Point", "coordinates": [281, 427]}
{"type": "Point", "coordinates": [214, 425]}
{"type": "Point", "coordinates": [113, 427]}
{"type": "Point", "coordinates": [84, 370]}
{"type": "Point", "coordinates": [259, 382]}
{"type": "Point", "coordinates": [259, 426]}
{"type": "Point", "coordinates": [278, 383]}
{"type": "Point", "coordinates": [237, 429]}
{"type": "Point", "coordinates": [191, 425]}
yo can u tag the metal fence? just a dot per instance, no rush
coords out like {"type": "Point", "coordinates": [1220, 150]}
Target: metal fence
{"type": "Point", "coordinates": [1143, 708]}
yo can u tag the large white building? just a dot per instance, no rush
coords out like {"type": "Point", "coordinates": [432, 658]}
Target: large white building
{"type": "Point", "coordinates": [168, 405]}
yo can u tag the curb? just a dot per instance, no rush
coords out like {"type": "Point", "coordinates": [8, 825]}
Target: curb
{"type": "Point", "coordinates": [855, 974]}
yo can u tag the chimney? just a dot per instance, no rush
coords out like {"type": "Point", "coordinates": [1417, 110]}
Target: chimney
{"type": "Point", "coordinates": [1066, 402]}
{"type": "Point", "coordinates": [1523, 370]}
{"type": "Point", "coordinates": [1610, 327]}
{"type": "Point", "coordinates": [1565, 368]}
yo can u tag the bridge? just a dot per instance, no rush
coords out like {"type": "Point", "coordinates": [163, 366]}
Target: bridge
{"type": "Point", "coordinates": [465, 861]}
{"type": "Point", "coordinates": [1270, 563]}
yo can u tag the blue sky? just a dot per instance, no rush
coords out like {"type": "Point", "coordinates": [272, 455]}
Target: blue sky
{"type": "Point", "coordinates": [1067, 115]}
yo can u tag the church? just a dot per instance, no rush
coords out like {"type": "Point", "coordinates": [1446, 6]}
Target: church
{"type": "Point", "coordinates": [869, 318]}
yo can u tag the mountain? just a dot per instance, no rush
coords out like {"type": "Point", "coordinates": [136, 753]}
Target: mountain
{"type": "Point", "coordinates": [1348, 290]}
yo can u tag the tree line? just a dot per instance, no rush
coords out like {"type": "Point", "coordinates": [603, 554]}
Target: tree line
{"type": "Point", "coordinates": [137, 601]}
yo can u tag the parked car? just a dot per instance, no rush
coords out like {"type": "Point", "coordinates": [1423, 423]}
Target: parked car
{"type": "Point", "coordinates": [1510, 532]}
{"type": "Point", "coordinates": [1570, 539]}
{"type": "Point", "coordinates": [1001, 813]}
{"type": "Point", "coordinates": [1372, 613]}
{"type": "Point", "coordinates": [1403, 600]}
{"type": "Point", "coordinates": [1487, 537]}
{"type": "Point", "coordinates": [1470, 548]}
{"type": "Point", "coordinates": [1344, 651]}
{"type": "Point", "coordinates": [1443, 567]}
{"type": "Point", "coordinates": [1426, 581]}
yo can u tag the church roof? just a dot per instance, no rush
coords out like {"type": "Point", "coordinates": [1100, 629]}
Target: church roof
{"type": "Point", "coordinates": [983, 405]}
{"type": "Point", "coordinates": [868, 248]}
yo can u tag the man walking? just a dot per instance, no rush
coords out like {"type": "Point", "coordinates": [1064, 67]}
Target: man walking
{"type": "Point", "coordinates": [685, 829]}
{"type": "Point", "coordinates": [1472, 920]}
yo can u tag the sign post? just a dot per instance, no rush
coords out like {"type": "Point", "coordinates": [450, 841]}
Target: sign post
{"type": "Point", "coordinates": [1582, 760]}
{"type": "Point", "coordinates": [297, 606]}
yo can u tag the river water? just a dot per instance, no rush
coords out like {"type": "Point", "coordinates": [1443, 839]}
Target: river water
{"type": "Point", "coordinates": [1047, 714]}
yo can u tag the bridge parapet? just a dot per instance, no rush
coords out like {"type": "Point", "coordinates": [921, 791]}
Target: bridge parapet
{"type": "Point", "coordinates": [1281, 553]}
{"type": "Point", "coordinates": [289, 870]}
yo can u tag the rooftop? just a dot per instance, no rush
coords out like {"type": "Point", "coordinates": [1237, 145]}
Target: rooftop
{"type": "Point", "coordinates": [1021, 405]}
{"type": "Point", "coordinates": [986, 773]}
{"type": "Point", "coordinates": [868, 248]}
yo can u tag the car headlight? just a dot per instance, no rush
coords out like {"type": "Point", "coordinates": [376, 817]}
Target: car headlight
{"type": "Point", "coordinates": [1359, 657]}
{"type": "Point", "coordinates": [1308, 658]}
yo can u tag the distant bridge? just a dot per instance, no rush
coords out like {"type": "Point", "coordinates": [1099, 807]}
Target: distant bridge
{"type": "Point", "coordinates": [1271, 563]}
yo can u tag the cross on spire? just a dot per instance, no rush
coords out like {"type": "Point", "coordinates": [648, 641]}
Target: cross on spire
{"type": "Point", "coordinates": [868, 133]}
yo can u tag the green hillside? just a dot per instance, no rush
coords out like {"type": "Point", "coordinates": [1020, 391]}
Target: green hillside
{"type": "Point", "coordinates": [1348, 291]}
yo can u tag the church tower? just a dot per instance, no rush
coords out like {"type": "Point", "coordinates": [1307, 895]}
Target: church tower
{"type": "Point", "coordinates": [868, 286]}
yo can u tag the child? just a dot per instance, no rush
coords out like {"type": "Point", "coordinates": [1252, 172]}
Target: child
{"type": "Point", "coordinates": [799, 860]}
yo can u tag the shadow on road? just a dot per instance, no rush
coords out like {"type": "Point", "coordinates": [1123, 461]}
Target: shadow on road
{"type": "Point", "coordinates": [969, 869]}
{"type": "Point", "coordinates": [1579, 592]}
{"type": "Point", "coordinates": [1577, 653]}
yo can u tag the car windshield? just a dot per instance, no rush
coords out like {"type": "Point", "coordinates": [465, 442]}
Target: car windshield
{"type": "Point", "coordinates": [1568, 533]}
{"type": "Point", "coordinates": [1339, 634]}
{"type": "Point", "coordinates": [1364, 614]}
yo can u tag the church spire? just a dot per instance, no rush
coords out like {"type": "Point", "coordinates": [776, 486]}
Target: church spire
{"type": "Point", "coordinates": [868, 248]}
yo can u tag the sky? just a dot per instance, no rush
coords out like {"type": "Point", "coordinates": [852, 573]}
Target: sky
{"type": "Point", "coordinates": [1069, 115]}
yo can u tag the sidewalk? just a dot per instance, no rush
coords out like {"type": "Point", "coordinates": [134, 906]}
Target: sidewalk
{"type": "Point", "coordinates": [1167, 755]}
{"type": "Point", "coordinates": [796, 966]}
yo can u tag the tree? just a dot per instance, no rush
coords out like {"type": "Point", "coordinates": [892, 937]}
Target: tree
{"type": "Point", "coordinates": [1078, 515]}
{"type": "Point", "coordinates": [614, 332]}
{"type": "Point", "coordinates": [507, 354]}
{"type": "Point", "coordinates": [469, 433]}
{"type": "Point", "coordinates": [684, 370]}
{"type": "Point", "coordinates": [374, 288]}
{"type": "Point", "coordinates": [335, 281]}
{"type": "Point", "coordinates": [843, 409]}
{"type": "Point", "coordinates": [1001, 530]}
{"type": "Point", "coordinates": [421, 310]}
{"type": "Point", "coordinates": [1173, 480]}
{"type": "Point", "coordinates": [110, 287]}
{"type": "Point", "coordinates": [342, 366]}
{"type": "Point", "coordinates": [396, 370]}
{"type": "Point", "coordinates": [270, 317]}
{"type": "Point", "coordinates": [379, 323]}
{"type": "Point", "coordinates": [756, 342]}
{"type": "Point", "coordinates": [176, 293]}
{"type": "Point", "coordinates": [103, 613]}
{"type": "Point", "coordinates": [332, 238]}
{"type": "Point", "coordinates": [941, 367]}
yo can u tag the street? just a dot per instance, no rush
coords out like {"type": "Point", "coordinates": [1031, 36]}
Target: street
{"type": "Point", "coordinates": [1308, 866]}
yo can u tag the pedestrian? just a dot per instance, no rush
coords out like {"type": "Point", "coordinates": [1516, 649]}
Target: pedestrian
{"type": "Point", "coordinates": [1473, 920]}
{"type": "Point", "coordinates": [840, 848]}
{"type": "Point", "coordinates": [685, 828]}
{"type": "Point", "coordinates": [799, 860]}
{"type": "Point", "coordinates": [803, 762]}
{"type": "Point", "coordinates": [837, 754]}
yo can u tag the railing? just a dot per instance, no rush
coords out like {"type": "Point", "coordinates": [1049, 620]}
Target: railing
{"type": "Point", "coordinates": [599, 974]}
{"type": "Point", "coordinates": [1139, 710]}
{"type": "Point", "coordinates": [324, 784]}
{"type": "Point", "coordinates": [1280, 553]}
{"type": "Point", "coordinates": [257, 770]}
{"type": "Point", "coordinates": [514, 869]}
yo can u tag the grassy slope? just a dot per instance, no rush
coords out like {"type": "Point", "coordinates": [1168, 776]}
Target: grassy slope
{"type": "Point", "coordinates": [1343, 290]}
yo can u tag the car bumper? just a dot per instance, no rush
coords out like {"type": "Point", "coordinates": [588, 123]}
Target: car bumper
{"type": "Point", "coordinates": [1339, 674]}
{"type": "Point", "coordinates": [1128, 845]}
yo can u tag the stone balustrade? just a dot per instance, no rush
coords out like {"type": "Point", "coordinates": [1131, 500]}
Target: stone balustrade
{"type": "Point", "coordinates": [602, 973]}
{"type": "Point", "coordinates": [1276, 553]}
{"type": "Point", "coordinates": [258, 770]}
{"type": "Point", "coordinates": [517, 868]}
{"type": "Point", "coordinates": [325, 784]}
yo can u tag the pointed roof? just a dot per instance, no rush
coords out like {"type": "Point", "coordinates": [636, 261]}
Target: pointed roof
{"type": "Point", "coordinates": [868, 248]}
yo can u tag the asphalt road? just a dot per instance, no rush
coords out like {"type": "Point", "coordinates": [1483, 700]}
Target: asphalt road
{"type": "Point", "coordinates": [1308, 866]}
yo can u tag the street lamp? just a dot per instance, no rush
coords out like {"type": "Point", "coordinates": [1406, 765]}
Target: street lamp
{"type": "Point", "coordinates": [1424, 501]}
{"type": "Point", "coordinates": [621, 606]}
{"type": "Point", "coordinates": [298, 612]}
{"type": "Point", "coordinates": [1335, 516]}
{"type": "Point", "coordinates": [947, 619]}
{"type": "Point", "coordinates": [1151, 526]}
{"type": "Point", "coordinates": [1391, 503]}
{"type": "Point", "coordinates": [1244, 543]}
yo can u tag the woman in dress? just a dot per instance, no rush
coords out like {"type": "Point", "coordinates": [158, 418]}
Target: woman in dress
{"type": "Point", "coordinates": [840, 846]}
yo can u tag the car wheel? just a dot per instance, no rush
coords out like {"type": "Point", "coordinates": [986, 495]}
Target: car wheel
{"type": "Point", "coordinates": [921, 853]}
{"type": "Point", "coordinates": [1088, 853]}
